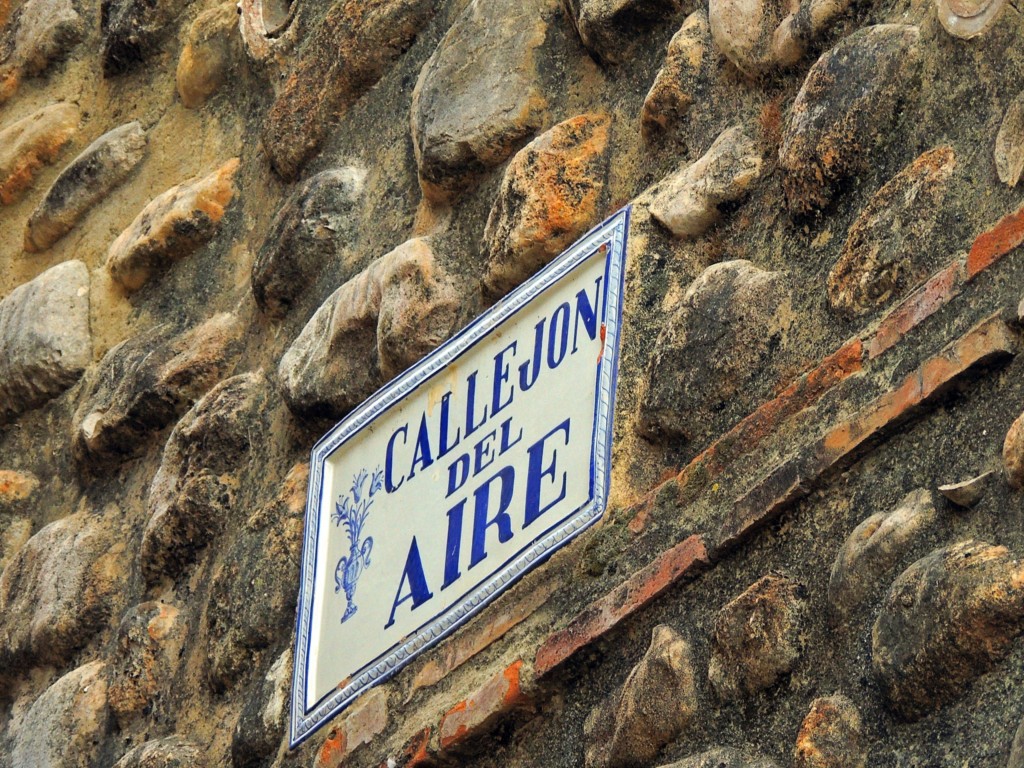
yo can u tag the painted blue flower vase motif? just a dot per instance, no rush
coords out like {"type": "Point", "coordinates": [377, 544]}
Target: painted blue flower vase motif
{"type": "Point", "coordinates": [352, 511]}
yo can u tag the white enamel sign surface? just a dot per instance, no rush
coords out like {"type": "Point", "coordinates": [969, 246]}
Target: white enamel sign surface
{"type": "Point", "coordinates": [457, 477]}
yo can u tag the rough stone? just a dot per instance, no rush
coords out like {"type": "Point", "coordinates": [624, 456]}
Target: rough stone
{"type": "Point", "coordinates": [1009, 149]}
{"type": "Point", "coordinates": [87, 180]}
{"type": "Point", "coordinates": [253, 598]}
{"type": "Point", "coordinates": [677, 82]}
{"type": "Point", "coordinates": [374, 326]}
{"type": "Point", "coordinates": [194, 489]}
{"type": "Point", "coordinates": [1017, 749]}
{"type": "Point", "coordinates": [172, 226]}
{"type": "Point", "coordinates": [885, 254]}
{"type": "Point", "coordinates": [758, 637]}
{"type": "Point", "coordinates": [846, 105]}
{"type": "Point", "coordinates": [262, 725]}
{"type": "Point", "coordinates": [134, 30]}
{"type": "Point", "coordinates": [874, 550]}
{"type": "Point", "coordinates": [967, 493]}
{"type": "Point", "coordinates": [466, 120]}
{"type": "Point", "coordinates": [66, 725]}
{"type": "Point", "coordinates": [309, 231]}
{"type": "Point", "coordinates": [57, 591]}
{"type": "Point", "coordinates": [342, 59]}
{"type": "Point", "coordinates": [547, 199]}
{"type": "Point", "coordinates": [723, 757]}
{"type": "Point", "coordinates": [42, 32]}
{"type": "Point", "coordinates": [45, 338]}
{"type": "Point", "coordinates": [206, 59]}
{"type": "Point", "coordinates": [831, 736]}
{"type": "Point", "coordinates": [609, 27]}
{"type": "Point", "coordinates": [146, 654]}
{"type": "Point", "coordinates": [16, 486]}
{"type": "Point", "coordinates": [711, 345]}
{"type": "Point", "coordinates": [688, 201]}
{"type": "Point", "coordinates": [1013, 452]}
{"type": "Point", "coordinates": [168, 752]}
{"type": "Point", "coordinates": [653, 706]}
{"type": "Point", "coordinates": [144, 383]}
{"type": "Point", "coordinates": [968, 19]}
{"type": "Point", "coordinates": [949, 618]}
{"type": "Point", "coordinates": [32, 142]}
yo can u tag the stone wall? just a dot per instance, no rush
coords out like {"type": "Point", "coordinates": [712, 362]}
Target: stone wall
{"type": "Point", "coordinates": [229, 225]}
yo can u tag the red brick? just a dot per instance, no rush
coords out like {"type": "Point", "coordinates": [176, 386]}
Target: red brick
{"type": "Point", "coordinates": [989, 247]}
{"type": "Point", "coordinates": [416, 752]}
{"type": "Point", "coordinates": [358, 725]}
{"type": "Point", "coordinates": [687, 558]}
{"type": "Point", "coordinates": [500, 618]}
{"type": "Point", "coordinates": [496, 698]}
{"type": "Point", "coordinates": [792, 479]}
{"type": "Point", "coordinates": [939, 290]}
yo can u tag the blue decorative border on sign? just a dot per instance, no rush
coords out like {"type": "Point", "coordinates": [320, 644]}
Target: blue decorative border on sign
{"type": "Point", "coordinates": [611, 233]}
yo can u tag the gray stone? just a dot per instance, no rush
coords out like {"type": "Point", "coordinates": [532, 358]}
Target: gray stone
{"type": "Point", "coordinates": [885, 254]}
{"type": "Point", "coordinates": [374, 326]}
{"type": "Point", "coordinates": [875, 549]}
{"type": "Point", "coordinates": [687, 202]}
{"type": "Point", "coordinates": [134, 30]}
{"type": "Point", "coordinates": [1009, 149]}
{"type": "Point", "coordinates": [967, 493]}
{"type": "Point", "coordinates": [653, 706]}
{"type": "Point", "coordinates": [831, 736]}
{"type": "Point", "coordinates": [87, 180]}
{"type": "Point", "coordinates": [950, 617]}
{"type": "Point", "coordinates": [193, 492]}
{"type": "Point", "coordinates": [548, 198]}
{"type": "Point", "coordinates": [846, 106]}
{"type": "Point", "coordinates": [710, 348]}
{"type": "Point", "coordinates": [146, 382]}
{"type": "Point", "coordinates": [608, 28]}
{"type": "Point", "coordinates": [45, 339]}
{"type": "Point", "coordinates": [66, 725]}
{"type": "Point", "coordinates": [252, 603]}
{"type": "Point", "coordinates": [968, 19]}
{"type": "Point", "coordinates": [172, 226]}
{"type": "Point", "coordinates": [467, 119]}
{"type": "Point", "coordinates": [58, 590]}
{"type": "Point", "coordinates": [316, 222]}
{"type": "Point", "coordinates": [206, 59]}
{"type": "Point", "coordinates": [147, 651]}
{"type": "Point", "coordinates": [168, 752]}
{"type": "Point", "coordinates": [32, 142]}
{"type": "Point", "coordinates": [676, 85]}
{"type": "Point", "coordinates": [41, 32]}
{"type": "Point", "coordinates": [723, 757]}
{"type": "Point", "coordinates": [261, 728]}
{"type": "Point", "coordinates": [746, 32]}
{"type": "Point", "coordinates": [758, 637]}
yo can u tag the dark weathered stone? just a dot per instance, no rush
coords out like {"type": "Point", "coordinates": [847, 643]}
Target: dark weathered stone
{"type": "Point", "coordinates": [886, 251]}
{"type": "Point", "coordinates": [193, 492]}
{"type": "Point", "coordinates": [831, 736]}
{"type": "Point", "coordinates": [846, 106]}
{"type": "Point", "coordinates": [343, 57]}
{"type": "Point", "coordinates": [875, 549]}
{"type": "Point", "coordinates": [45, 338]}
{"type": "Point", "coordinates": [86, 180]}
{"type": "Point", "coordinates": [653, 706]}
{"type": "Point", "coordinates": [710, 347]}
{"type": "Point", "coordinates": [608, 28]}
{"type": "Point", "coordinates": [262, 725]}
{"type": "Point", "coordinates": [758, 637]}
{"type": "Point", "coordinates": [374, 326]}
{"type": "Point", "coordinates": [949, 618]}
{"type": "Point", "coordinates": [1017, 749]}
{"type": "Point", "coordinates": [309, 231]}
{"type": "Point", "coordinates": [206, 59]}
{"type": "Point", "coordinates": [548, 198]}
{"type": "Point", "coordinates": [168, 752]}
{"type": "Point", "coordinates": [677, 82]}
{"type": "Point", "coordinates": [41, 33]}
{"type": "Point", "coordinates": [723, 757]}
{"type": "Point", "coordinates": [147, 650]}
{"type": "Point", "coordinates": [66, 725]}
{"type": "Point", "coordinates": [253, 598]}
{"type": "Point", "coordinates": [146, 382]}
{"type": "Point", "coordinates": [467, 119]}
{"type": "Point", "coordinates": [134, 30]}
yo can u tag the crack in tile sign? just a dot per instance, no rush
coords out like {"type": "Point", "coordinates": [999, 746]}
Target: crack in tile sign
{"type": "Point", "coordinates": [458, 477]}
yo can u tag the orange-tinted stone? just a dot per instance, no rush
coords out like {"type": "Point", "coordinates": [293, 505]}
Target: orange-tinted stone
{"type": "Point", "coordinates": [474, 715]}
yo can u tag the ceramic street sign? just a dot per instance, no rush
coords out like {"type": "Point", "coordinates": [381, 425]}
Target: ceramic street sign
{"type": "Point", "coordinates": [456, 478]}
